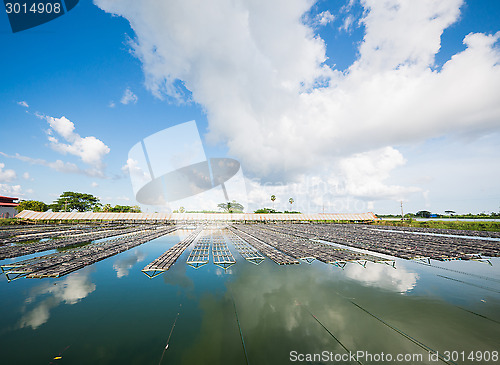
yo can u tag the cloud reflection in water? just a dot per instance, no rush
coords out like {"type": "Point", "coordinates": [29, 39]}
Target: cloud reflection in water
{"type": "Point", "coordinates": [383, 276]}
{"type": "Point", "coordinates": [124, 264]}
{"type": "Point", "coordinates": [69, 290]}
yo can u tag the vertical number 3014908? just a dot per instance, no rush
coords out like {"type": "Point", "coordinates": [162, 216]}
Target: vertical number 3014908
{"type": "Point", "coordinates": [37, 8]}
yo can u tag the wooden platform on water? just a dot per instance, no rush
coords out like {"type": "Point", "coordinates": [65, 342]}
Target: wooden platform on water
{"type": "Point", "coordinates": [67, 240]}
{"type": "Point", "coordinates": [277, 256]}
{"type": "Point", "coordinates": [221, 254]}
{"type": "Point", "coordinates": [62, 263]}
{"type": "Point", "coordinates": [306, 250]}
{"type": "Point", "coordinates": [200, 254]}
{"type": "Point", "coordinates": [247, 251]}
{"type": "Point", "coordinates": [168, 258]}
{"type": "Point", "coordinates": [403, 242]}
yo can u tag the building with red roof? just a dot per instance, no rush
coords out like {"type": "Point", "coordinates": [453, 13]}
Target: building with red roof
{"type": "Point", "coordinates": [8, 206]}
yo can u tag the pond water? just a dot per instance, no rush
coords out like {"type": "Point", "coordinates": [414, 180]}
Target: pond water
{"type": "Point", "coordinates": [111, 313]}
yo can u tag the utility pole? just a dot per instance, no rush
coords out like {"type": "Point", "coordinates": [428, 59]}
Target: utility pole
{"type": "Point", "coordinates": [65, 205]}
{"type": "Point", "coordinates": [402, 215]}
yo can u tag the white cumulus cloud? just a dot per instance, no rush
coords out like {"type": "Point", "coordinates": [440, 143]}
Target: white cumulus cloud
{"type": "Point", "coordinates": [128, 97]}
{"type": "Point", "coordinates": [324, 18]}
{"type": "Point", "coordinates": [366, 174]}
{"type": "Point", "coordinates": [90, 150]}
{"type": "Point", "coordinates": [58, 165]}
{"type": "Point", "coordinates": [6, 175]}
{"type": "Point", "coordinates": [6, 189]}
{"type": "Point", "coordinates": [259, 73]}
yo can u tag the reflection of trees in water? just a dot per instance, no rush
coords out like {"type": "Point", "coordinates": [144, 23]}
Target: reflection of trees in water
{"type": "Point", "coordinates": [69, 290]}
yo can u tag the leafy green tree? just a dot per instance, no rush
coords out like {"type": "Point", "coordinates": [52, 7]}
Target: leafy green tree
{"type": "Point", "coordinates": [423, 214]}
{"type": "Point", "coordinates": [182, 209]}
{"type": "Point", "coordinates": [124, 209]}
{"type": "Point", "coordinates": [265, 211]}
{"type": "Point", "coordinates": [120, 209]}
{"type": "Point", "coordinates": [34, 205]}
{"type": "Point", "coordinates": [231, 207]}
{"type": "Point", "coordinates": [273, 198]}
{"type": "Point", "coordinates": [291, 202]}
{"type": "Point", "coordinates": [69, 201]}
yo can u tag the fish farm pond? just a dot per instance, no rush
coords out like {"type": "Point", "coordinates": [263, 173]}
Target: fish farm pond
{"type": "Point", "coordinates": [233, 293]}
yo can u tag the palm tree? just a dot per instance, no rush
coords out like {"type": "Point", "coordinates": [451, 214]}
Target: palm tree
{"type": "Point", "coordinates": [273, 198]}
{"type": "Point", "coordinates": [291, 202]}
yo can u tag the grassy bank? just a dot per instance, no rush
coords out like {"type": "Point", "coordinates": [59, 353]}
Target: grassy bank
{"type": "Point", "coordinates": [471, 226]}
{"type": "Point", "coordinates": [9, 221]}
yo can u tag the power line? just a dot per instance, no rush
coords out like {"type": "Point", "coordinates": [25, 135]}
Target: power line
{"type": "Point", "coordinates": [170, 335]}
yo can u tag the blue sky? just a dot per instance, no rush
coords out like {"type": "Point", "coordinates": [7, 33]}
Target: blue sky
{"type": "Point", "coordinates": [343, 105]}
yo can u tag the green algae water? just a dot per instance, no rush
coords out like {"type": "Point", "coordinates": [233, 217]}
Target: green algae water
{"type": "Point", "coordinates": [111, 313]}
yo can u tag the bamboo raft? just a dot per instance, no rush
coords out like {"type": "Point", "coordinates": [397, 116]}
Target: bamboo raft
{"type": "Point", "coordinates": [200, 254]}
{"type": "Point", "coordinates": [244, 249]}
{"type": "Point", "coordinates": [168, 258]}
{"type": "Point", "coordinates": [35, 235]}
{"type": "Point", "coordinates": [9, 235]}
{"type": "Point", "coordinates": [307, 250]}
{"type": "Point", "coordinates": [65, 241]}
{"type": "Point", "coordinates": [285, 244]}
{"type": "Point", "coordinates": [277, 256]}
{"type": "Point", "coordinates": [221, 255]}
{"type": "Point", "coordinates": [63, 263]}
{"type": "Point", "coordinates": [406, 246]}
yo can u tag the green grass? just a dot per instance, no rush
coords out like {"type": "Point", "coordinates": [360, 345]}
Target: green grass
{"type": "Point", "coordinates": [470, 226]}
{"type": "Point", "coordinates": [9, 221]}
{"type": "Point", "coordinates": [27, 242]}
{"type": "Point", "coordinates": [61, 249]}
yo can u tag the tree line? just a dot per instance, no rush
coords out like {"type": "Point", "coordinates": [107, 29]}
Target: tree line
{"type": "Point", "coordinates": [448, 214]}
{"type": "Point", "coordinates": [70, 201]}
